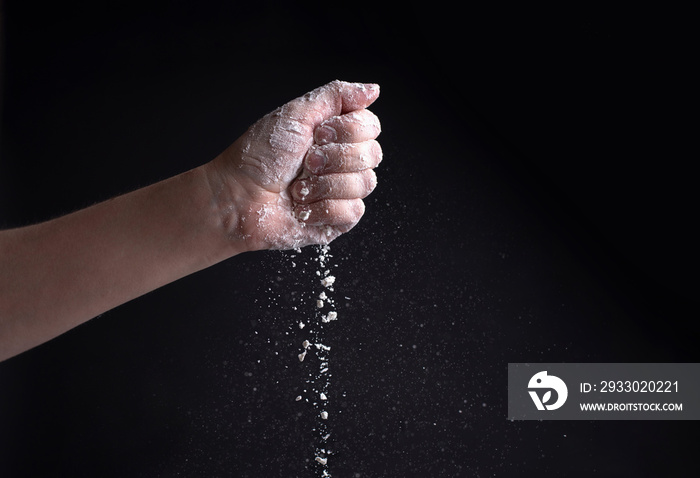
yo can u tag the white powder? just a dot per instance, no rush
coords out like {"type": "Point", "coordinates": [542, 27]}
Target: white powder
{"type": "Point", "coordinates": [329, 317]}
{"type": "Point", "coordinates": [319, 382]}
{"type": "Point", "coordinates": [328, 281]}
{"type": "Point", "coordinates": [304, 192]}
{"type": "Point", "coordinates": [304, 215]}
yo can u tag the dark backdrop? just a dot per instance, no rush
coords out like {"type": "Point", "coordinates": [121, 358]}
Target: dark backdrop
{"type": "Point", "coordinates": [535, 204]}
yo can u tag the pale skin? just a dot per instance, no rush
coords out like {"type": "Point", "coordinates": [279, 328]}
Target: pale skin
{"type": "Point", "coordinates": [297, 177]}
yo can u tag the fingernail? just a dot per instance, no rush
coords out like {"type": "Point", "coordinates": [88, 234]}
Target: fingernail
{"type": "Point", "coordinates": [325, 134]}
{"type": "Point", "coordinates": [316, 161]}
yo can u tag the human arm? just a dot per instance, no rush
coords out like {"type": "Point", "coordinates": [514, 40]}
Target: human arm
{"type": "Point", "coordinates": [58, 274]}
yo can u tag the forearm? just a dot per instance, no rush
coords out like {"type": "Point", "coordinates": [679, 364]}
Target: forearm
{"type": "Point", "coordinates": [61, 273]}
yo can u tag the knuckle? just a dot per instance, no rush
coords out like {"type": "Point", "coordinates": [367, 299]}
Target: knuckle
{"type": "Point", "coordinates": [369, 181]}
{"type": "Point", "coordinates": [358, 209]}
{"type": "Point", "coordinates": [372, 119]}
{"type": "Point", "coordinates": [377, 152]}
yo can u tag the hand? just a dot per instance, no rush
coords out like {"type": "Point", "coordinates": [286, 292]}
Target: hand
{"type": "Point", "coordinates": [298, 175]}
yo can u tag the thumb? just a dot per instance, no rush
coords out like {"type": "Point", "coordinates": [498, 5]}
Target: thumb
{"type": "Point", "coordinates": [332, 99]}
{"type": "Point", "coordinates": [344, 97]}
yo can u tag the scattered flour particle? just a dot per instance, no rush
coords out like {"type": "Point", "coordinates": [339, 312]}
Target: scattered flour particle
{"type": "Point", "coordinates": [305, 344]}
{"type": "Point", "coordinates": [304, 192]}
{"type": "Point", "coordinates": [322, 295]}
{"type": "Point", "coordinates": [304, 215]}
{"type": "Point", "coordinates": [322, 347]}
{"type": "Point", "coordinates": [322, 461]}
{"type": "Point", "coordinates": [319, 303]}
{"type": "Point", "coordinates": [302, 325]}
{"type": "Point", "coordinates": [302, 356]}
{"type": "Point", "coordinates": [324, 415]}
{"type": "Point", "coordinates": [298, 398]}
{"type": "Point", "coordinates": [323, 396]}
{"type": "Point", "coordinates": [328, 281]}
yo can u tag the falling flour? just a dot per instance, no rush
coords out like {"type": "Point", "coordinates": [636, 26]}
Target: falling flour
{"type": "Point", "coordinates": [328, 281]}
{"type": "Point", "coordinates": [332, 315]}
{"type": "Point", "coordinates": [319, 382]}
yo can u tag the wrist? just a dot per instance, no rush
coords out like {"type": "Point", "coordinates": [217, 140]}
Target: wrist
{"type": "Point", "coordinates": [228, 200]}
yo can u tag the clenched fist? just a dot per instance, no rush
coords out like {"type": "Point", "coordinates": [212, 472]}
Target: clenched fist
{"type": "Point", "coordinates": [298, 175]}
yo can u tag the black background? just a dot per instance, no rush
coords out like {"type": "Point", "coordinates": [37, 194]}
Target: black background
{"type": "Point", "coordinates": [536, 203]}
